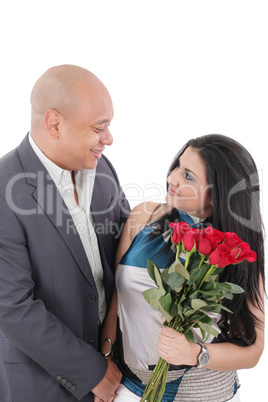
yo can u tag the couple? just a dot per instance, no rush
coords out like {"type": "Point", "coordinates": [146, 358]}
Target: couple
{"type": "Point", "coordinates": [56, 271]}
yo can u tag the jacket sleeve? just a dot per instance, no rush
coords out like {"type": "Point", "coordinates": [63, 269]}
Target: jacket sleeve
{"type": "Point", "coordinates": [30, 327]}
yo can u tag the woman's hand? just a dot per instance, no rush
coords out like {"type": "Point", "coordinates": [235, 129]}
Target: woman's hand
{"type": "Point", "coordinates": [175, 348]}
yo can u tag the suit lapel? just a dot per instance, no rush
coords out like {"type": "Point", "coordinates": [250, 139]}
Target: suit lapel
{"type": "Point", "coordinates": [52, 205]}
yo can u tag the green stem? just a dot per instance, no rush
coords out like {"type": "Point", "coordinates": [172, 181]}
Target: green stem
{"type": "Point", "coordinates": [178, 251]}
{"type": "Point", "coordinates": [155, 381]}
{"type": "Point", "coordinates": [163, 384]}
{"type": "Point", "coordinates": [207, 274]}
{"type": "Point", "coordinates": [154, 392]}
{"type": "Point", "coordinates": [185, 332]}
{"type": "Point", "coordinates": [202, 260]}
{"type": "Point", "coordinates": [188, 255]}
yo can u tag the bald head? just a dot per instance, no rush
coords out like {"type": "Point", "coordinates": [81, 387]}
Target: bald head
{"type": "Point", "coordinates": [60, 88]}
{"type": "Point", "coordinates": [71, 114]}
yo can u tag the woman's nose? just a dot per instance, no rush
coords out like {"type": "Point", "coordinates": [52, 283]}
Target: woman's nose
{"type": "Point", "coordinates": [173, 178]}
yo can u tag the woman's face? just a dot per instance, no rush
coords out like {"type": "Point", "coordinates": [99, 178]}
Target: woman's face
{"type": "Point", "coordinates": [188, 188]}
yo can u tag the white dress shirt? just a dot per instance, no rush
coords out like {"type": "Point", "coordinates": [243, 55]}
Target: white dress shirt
{"type": "Point", "coordinates": [83, 221]}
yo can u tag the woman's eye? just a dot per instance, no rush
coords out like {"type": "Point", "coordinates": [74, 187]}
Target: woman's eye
{"type": "Point", "coordinates": [188, 176]}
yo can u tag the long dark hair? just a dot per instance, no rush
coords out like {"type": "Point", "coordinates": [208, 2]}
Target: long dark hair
{"type": "Point", "coordinates": [233, 181]}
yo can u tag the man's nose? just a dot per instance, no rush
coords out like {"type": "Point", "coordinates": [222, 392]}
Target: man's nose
{"type": "Point", "coordinates": [106, 138]}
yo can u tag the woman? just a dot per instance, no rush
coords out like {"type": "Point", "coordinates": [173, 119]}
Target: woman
{"type": "Point", "coordinates": [213, 180]}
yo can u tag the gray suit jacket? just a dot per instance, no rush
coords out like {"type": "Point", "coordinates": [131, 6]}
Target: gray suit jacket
{"type": "Point", "coordinates": [48, 298]}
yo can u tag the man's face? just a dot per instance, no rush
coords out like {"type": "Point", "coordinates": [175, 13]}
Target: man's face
{"type": "Point", "coordinates": [85, 132]}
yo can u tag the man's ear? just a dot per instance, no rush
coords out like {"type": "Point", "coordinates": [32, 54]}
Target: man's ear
{"type": "Point", "coordinates": [52, 121]}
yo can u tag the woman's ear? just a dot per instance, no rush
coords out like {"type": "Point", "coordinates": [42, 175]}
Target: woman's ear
{"type": "Point", "coordinates": [52, 121]}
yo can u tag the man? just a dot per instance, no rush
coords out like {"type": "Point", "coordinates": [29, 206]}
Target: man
{"type": "Point", "coordinates": [61, 215]}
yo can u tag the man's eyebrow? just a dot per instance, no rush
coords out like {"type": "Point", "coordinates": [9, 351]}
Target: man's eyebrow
{"type": "Point", "coordinates": [103, 121]}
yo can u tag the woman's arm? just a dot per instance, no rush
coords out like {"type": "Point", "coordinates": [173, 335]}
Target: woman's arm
{"type": "Point", "coordinates": [176, 349]}
{"type": "Point", "coordinates": [138, 217]}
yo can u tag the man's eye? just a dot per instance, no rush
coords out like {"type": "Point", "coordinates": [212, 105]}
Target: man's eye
{"type": "Point", "coordinates": [99, 129]}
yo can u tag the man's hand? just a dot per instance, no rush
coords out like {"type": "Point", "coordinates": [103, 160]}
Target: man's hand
{"type": "Point", "coordinates": [106, 389]}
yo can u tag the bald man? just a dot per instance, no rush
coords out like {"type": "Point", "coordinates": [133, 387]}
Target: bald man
{"type": "Point", "coordinates": [61, 215]}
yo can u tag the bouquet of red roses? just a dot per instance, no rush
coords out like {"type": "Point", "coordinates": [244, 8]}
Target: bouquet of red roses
{"type": "Point", "coordinates": [187, 291]}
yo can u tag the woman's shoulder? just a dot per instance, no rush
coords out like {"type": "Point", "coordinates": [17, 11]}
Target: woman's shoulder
{"type": "Point", "coordinates": [139, 217]}
{"type": "Point", "coordinates": [148, 211]}
{"type": "Point", "coordinates": [144, 213]}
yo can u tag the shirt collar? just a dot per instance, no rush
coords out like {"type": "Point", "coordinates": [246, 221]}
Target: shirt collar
{"type": "Point", "coordinates": [192, 220]}
{"type": "Point", "coordinates": [55, 171]}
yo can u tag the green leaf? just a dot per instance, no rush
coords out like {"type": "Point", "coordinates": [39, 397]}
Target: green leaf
{"type": "Point", "coordinates": [152, 294]}
{"type": "Point", "coordinates": [205, 319]}
{"type": "Point", "coordinates": [207, 330]}
{"type": "Point", "coordinates": [176, 309]}
{"type": "Point", "coordinates": [175, 281]}
{"type": "Point", "coordinates": [183, 297]}
{"type": "Point", "coordinates": [213, 308]}
{"type": "Point", "coordinates": [203, 333]}
{"type": "Point", "coordinates": [188, 313]}
{"type": "Point", "coordinates": [190, 336]}
{"type": "Point", "coordinates": [228, 296]}
{"type": "Point", "coordinates": [211, 292]}
{"type": "Point", "coordinates": [179, 269]}
{"type": "Point", "coordinates": [194, 261]}
{"type": "Point", "coordinates": [207, 286]}
{"type": "Point", "coordinates": [197, 274]}
{"type": "Point", "coordinates": [166, 302]}
{"type": "Point", "coordinates": [197, 304]}
{"type": "Point", "coordinates": [235, 288]}
{"type": "Point", "coordinates": [179, 310]}
{"type": "Point", "coordinates": [158, 278]}
{"type": "Point", "coordinates": [225, 287]}
{"type": "Point", "coordinates": [214, 332]}
{"type": "Point", "coordinates": [193, 295]}
{"type": "Point", "coordinates": [213, 298]}
{"type": "Point", "coordinates": [155, 304]}
{"type": "Point", "coordinates": [150, 269]}
{"type": "Point", "coordinates": [230, 287]}
{"type": "Point", "coordinates": [226, 309]}
{"type": "Point", "coordinates": [164, 272]}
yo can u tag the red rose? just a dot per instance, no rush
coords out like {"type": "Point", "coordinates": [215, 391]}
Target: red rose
{"type": "Point", "coordinates": [232, 240]}
{"type": "Point", "coordinates": [179, 230]}
{"type": "Point", "coordinates": [214, 236]}
{"type": "Point", "coordinates": [204, 246]}
{"type": "Point", "coordinates": [221, 256]}
{"type": "Point", "coordinates": [245, 253]}
{"type": "Point", "coordinates": [190, 238]}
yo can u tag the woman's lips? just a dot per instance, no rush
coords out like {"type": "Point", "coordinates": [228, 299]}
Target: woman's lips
{"type": "Point", "coordinates": [172, 192]}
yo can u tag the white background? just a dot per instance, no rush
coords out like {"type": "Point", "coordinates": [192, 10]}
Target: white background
{"type": "Point", "coordinates": [175, 70]}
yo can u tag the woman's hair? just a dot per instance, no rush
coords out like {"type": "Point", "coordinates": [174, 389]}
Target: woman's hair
{"type": "Point", "coordinates": [234, 186]}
